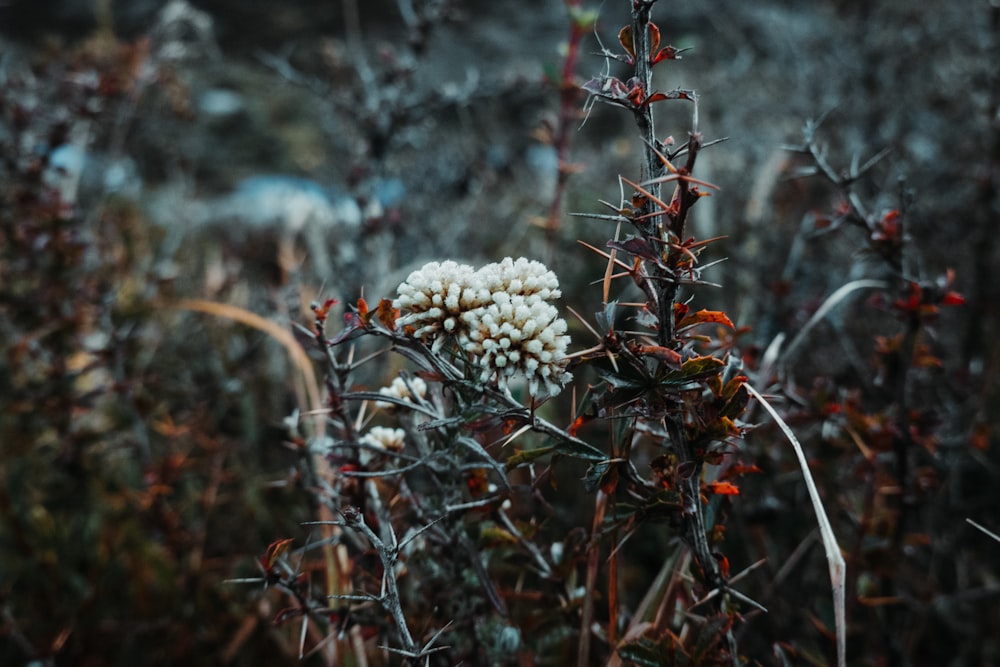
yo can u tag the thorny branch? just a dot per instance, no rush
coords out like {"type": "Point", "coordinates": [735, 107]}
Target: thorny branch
{"type": "Point", "coordinates": [661, 224]}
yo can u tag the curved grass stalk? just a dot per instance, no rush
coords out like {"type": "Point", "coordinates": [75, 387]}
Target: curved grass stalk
{"type": "Point", "coordinates": [834, 559]}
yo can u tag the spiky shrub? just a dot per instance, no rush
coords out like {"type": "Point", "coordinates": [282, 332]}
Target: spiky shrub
{"type": "Point", "coordinates": [438, 531]}
{"type": "Point", "coordinates": [442, 533]}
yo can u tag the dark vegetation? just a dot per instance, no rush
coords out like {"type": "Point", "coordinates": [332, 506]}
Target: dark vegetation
{"type": "Point", "coordinates": [206, 210]}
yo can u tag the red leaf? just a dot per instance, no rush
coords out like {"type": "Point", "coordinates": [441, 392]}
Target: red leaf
{"type": "Point", "coordinates": [705, 317]}
{"type": "Point", "coordinates": [275, 550]}
{"type": "Point", "coordinates": [387, 315]}
{"type": "Point", "coordinates": [625, 37]}
{"type": "Point", "coordinates": [578, 422]}
{"type": "Point", "coordinates": [654, 37]}
{"type": "Point", "coordinates": [322, 311]}
{"type": "Point", "coordinates": [952, 299]}
{"type": "Point", "coordinates": [478, 482]}
{"type": "Point", "coordinates": [666, 53]}
{"type": "Point", "coordinates": [672, 358]}
{"type": "Point", "coordinates": [723, 488]}
{"type": "Point", "coordinates": [723, 565]}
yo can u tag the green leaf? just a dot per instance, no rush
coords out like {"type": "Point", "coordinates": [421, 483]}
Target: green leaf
{"type": "Point", "coordinates": [522, 456]}
{"type": "Point", "coordinates": [736, 397]}
{"type": "Point", "coordinates": [650, 652]}
{"type": "Point", "coordinates": [574, 448]}
{"type": "Point", "coordinates": [580, 450]}
{"type": "Point", "coordinates": [618, 381]}
{"type": "Point", "coordinates": [606, 318]}
{"type": "Point", "coordinates": [693, 370]}
{"type": "Point", "coordinates": [641, 652]}
{"type": "Point", "coordinates": [599, 475]}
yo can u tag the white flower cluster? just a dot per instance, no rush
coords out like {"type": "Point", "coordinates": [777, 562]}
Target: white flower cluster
{"type": "Point", "coordinates": [382, 437]}
{"type": "Point", "coordinates": [500, 314]}
{"type": "Point", "coordinates": [401, 389]}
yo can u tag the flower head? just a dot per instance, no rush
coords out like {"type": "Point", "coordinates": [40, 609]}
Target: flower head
{"type": "Point", "coordinates": [382, 437]}
{"type": "Point", "coordinates": [521, 276]}
{"type": "Point", "coordinates": [500, 315]}
{"type": "Point", "coordinates": [400, 388]}
{"type": "Point", "coordinates": [519, 334]}
{"type": "Point", "coordinates": [432, 297]}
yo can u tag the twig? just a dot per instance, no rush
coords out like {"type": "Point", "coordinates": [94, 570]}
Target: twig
{"type": "Point", "coordinates": [593, 561]}
{"type": "Point", "coordinates": [983, 529]}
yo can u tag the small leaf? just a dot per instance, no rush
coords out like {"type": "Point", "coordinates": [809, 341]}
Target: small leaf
{"type": "Point", "coordinates": [654, 37]}
{"type": "Point", "coordinates": [580, 450]}
{"type": "Point", "coordinates": [952, 299]}
{"type": "Point", "coordinates": [477, 481]}
{"type": "Point", "coordinates": [606, 318]}
{"type": "Point", "coordinates": [723, 488]}
{"type": "Point", "coordinates": [710, 637]}
{"type": "Point", "coordinates": [705, 317]}
{"type": "Point", "coordinates": [722, 428]}
{"type": "Point", "coordinates": [638, 247]}
{"type": "Point", "coordinates": [643, 653]}
{"type": "Point", "coordinates": [578, 422]}
{"type": "Point", "coordinates": [363, 311]}
{"type": "Point", "coordinates": [275, 550]}
{"type": "Point", "coordinates": [611, 89]}
{"type": "Point", "coordinates": [602, 475]}
{"type": "Point", "coordinates": [387, 315]}
{"type": "Point", "coordinates": [617, 381]}
{"type": "Point", "coordinates": [322, 311]}
{"type": "Point", "coordinates": [496, 536]}
{"type": "Point", "coordinates": [664, 354]}
{"type": "Point", "coordinates": [625, 37]}
{"type": "Point", "coordinates": [693, 370]}
{"type": "Point", "coordinates": [666, 53]}
{"type": "Point", "coordinates": [736, 402]}
{"type": "Point", "coordinates": [523, 456]}
{"type": "Point", "coordinates": [677, 94]}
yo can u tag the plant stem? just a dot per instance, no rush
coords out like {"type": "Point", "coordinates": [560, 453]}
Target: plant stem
{"type": "Point", "coordinates": [667, 229]}
{"type": "Point", "coordinates": [569, 92]}
{"type": "Point", "coordinates": [593, 563]}
{"type": "Point", "coordinates": [651, 165]}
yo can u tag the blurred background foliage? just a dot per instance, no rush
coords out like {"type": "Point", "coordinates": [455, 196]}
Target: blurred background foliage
{"type": "Point", "coordinates": [156, 150]}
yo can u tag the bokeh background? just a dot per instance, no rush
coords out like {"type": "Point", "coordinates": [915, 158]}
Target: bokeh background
{"type": "Point", "coordinates": [264, 155]}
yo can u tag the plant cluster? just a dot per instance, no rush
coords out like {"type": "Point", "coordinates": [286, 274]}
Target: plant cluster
{"type": "Point", "coordinates": [478, 473]}
{"type": "Point", "coordinates": [668, 390]}
{"type": "Point", "coordinates": [114, 464]}
{"type": "Point", "coordinates": [443, 529]}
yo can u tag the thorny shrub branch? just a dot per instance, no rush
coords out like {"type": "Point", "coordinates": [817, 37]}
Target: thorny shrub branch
{"type": "Point", "coordinates": [664, 260]}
